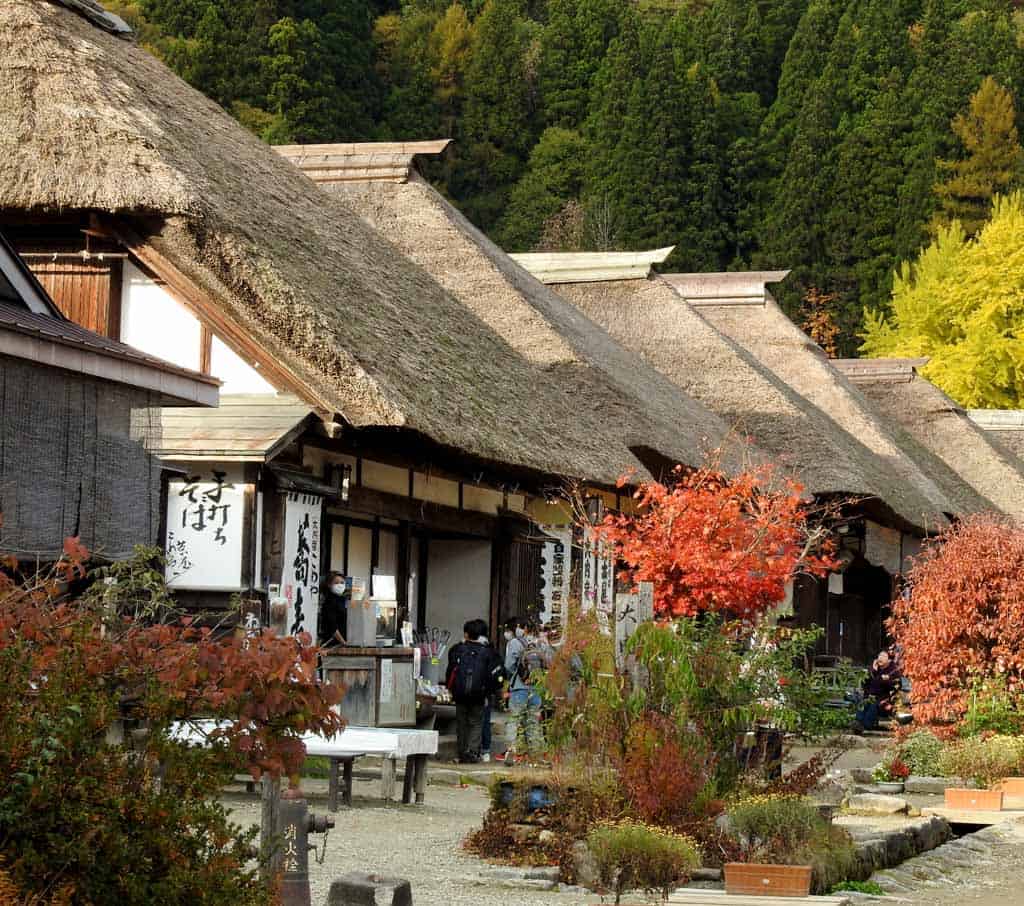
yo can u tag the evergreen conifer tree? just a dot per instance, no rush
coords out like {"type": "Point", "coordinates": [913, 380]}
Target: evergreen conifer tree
{"type": "Point", "coordinates": [499, 116]}
{"type": "Point", "coordinates": [573, 44]}
{"type": "Point", "coordinates": [988, 132]}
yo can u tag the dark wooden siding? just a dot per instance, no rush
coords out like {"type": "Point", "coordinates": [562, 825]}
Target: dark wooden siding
{"type": "Point", "coordinates": [73, 462]}
{"type": "Point", "coordinates": [87, 292]}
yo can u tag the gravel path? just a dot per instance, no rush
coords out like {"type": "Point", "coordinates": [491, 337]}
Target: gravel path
{"type": "Point", "coordinates": [421, 844]}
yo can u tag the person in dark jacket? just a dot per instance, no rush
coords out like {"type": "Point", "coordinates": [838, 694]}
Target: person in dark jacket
{"type": "Point", "coordinates": [880, 688]}
{"type": "Point", "coordinates": [333, 622]}
{"type": "Point", "coordinates": [474, 671]}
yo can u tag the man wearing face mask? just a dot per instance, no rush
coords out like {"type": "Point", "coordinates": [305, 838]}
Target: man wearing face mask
{"type": "Point", "coordinates": [334, 610]}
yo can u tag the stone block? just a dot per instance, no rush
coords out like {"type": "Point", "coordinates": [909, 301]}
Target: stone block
{"type": "Point", "coordinates": [362, 889]}
{"type": "Point", "coordinates": [876, 804]}
{"type": "Point", "coordinates": [935, 785]}
{"type": "Point", "coordinates": [585, 866]}
{"type": "Point", "coordinates": [522, 833]}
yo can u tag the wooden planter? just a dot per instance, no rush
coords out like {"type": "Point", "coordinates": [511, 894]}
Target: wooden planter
{"type": "Point", "coordinates": [1011, 786]}
{"type": "Point", "coordinates": [975, 800]}
{"type": "Point", "coordinates": [755, 879]}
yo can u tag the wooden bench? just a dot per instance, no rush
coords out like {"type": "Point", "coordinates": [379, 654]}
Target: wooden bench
{"type": "Point", "coordinates": [415, 746]}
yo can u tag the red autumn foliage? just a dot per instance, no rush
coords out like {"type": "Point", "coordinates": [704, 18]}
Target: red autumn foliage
{"type": "Point", "coordinates": [713, 543]}
{"type": "Point", "coordinates": [662, 771]}
{"type": "Point", "coordinates": [963, 620]}
{"type": "Point", "coordinates": [265, 688]}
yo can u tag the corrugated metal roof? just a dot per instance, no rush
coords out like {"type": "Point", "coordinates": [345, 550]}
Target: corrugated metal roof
{"type": "Point", "coordinates": [730, 288]}
{"type": "Point", "coordinates": [365, 161]}
{"type": "Point", "coordinates": [246, 428]}
{"type": "Point", "coordinates": [591, 267]}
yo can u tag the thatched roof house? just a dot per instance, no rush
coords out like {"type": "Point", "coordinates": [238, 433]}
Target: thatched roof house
{"type": "Point", "coordinates": [648, 315]}
{"type": "Point", "coordinates": [741, 307]}
{"type": "Point", "coordinates": [939, 424]}
{"type": "Point", "coordinates": [612, 388]}
{"type": "Point", "coordinates": [645, 313]}
{"type": "Point", "coordinates": [93, 124]}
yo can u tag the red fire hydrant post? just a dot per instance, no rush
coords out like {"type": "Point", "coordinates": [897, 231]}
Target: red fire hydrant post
{"type": "Point", "coordinates": [295, 824]}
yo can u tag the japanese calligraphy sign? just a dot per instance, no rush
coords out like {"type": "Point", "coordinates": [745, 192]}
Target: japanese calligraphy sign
{"type": "Point", "coordinates": [300, 583]}
{"type": "Point", "coordinates": [204, 533]}
{"type": "Point", "coordinates": [630, 611]}
{"type": "Point", "coordinates": [597, 580]}
{"type": "Point", "coordinates": [556, 572]}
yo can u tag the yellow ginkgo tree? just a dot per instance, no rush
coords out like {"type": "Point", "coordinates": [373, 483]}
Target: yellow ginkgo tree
{"type": "Point", "coordinates": [961, 304]}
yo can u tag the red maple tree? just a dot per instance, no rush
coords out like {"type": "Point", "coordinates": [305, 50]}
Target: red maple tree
{"type": "Point", "coordinates": [714, 543]}
{"type": "Point", "coordinates": [963, 619]}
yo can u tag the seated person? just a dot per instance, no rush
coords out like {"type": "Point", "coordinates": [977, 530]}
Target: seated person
{"type": "Point", "coordinates": [880, 688]}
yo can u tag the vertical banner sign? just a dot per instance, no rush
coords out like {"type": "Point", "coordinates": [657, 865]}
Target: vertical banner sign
{"type": "Point", "coordinates": [204, 534]}
{"type": "Point", "coordinates": [300, 583]}
{"type": "Point", "coordinates": [588, 580]}
{"type": "Point", "coordinates": [555, 571]}
{"type": "Point", "coordinates": [597, 580]}
{"type": "Point", "coordinates": [630, 612]}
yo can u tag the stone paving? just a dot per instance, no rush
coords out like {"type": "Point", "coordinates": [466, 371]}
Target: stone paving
{"type": "Point", "coordinates": [982, 868]}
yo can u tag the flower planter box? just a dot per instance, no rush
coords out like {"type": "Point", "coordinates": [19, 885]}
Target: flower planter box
{"type": "Point", "coordinates": [1011, 786]}
{"type": "Point", "coordinates": [890, 786]}
{"type": "Point", "coordinates": [977, 800]}
{"type": "Point", "coordinates": [756, 879]}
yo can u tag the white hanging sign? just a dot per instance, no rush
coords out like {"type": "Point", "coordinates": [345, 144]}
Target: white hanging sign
{"type": "Point", "coordinates": [203, 550]}
{"type": "Point", "coordinates": [300, 582]}
{"type": "Point", "coordinates": [597, 580]}
{"type": "Point", "coordinates": [556, 569]}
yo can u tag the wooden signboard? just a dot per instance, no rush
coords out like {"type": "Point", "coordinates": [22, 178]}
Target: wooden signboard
{"type": "Point", "coordinates": [205, 521]}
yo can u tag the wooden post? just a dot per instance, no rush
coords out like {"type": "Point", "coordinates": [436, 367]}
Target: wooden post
{"type": "Point", "coordinates": [347, 777]}
{"type": "Point", "coordinates": [332, 786]}
{"type": "Point", "coordinates": [410, 771]}
{"type": "Point", "coordinates": [420, 766]}
{"type": "Point", "coordinates": [387, 778]}
{"type": "Point", "coordinates": [270, 851]}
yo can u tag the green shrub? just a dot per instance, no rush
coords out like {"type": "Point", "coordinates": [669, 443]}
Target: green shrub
{"type": "Point", "coordinates": [992, 708]}
{"type": "Point", "coordinates": [984, 760]}
{"type": "Point", "coordinates": [869, 887]}
{"type": "Point", "coordinates": [631, 855]}
{"type": "Point", "coordinates": [921, 752]}
{"type": "Point", "coordinates": [789, 830]}
{"type": "Point", "coordinates": [774, 827]}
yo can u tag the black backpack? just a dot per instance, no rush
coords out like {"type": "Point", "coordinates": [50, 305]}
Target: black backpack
{"type": "Point", "coordinates": [471, 680]}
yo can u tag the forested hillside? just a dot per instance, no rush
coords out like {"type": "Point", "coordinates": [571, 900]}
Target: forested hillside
{"type": "Point", "coordinates": [812, 134]}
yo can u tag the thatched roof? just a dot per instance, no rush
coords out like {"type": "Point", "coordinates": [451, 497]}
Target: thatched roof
{"type": "Point", "coordinates": [1005, 425]}
{"type": "Point", "coordinates": [91, 122]}
{"type": "Point", "coordinates": [762, 328]}
{"type": "Point", "coordinates": [648, 316]}
{"type": "Point", "coordinates": [942, 426]}
{"type": "Point", "coordinates": [612, 389]}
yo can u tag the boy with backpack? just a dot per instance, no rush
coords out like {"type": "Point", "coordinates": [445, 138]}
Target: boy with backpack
{"type": "Point", "coordinates": [525, 658]}
{"type": "Point", "coordinates": [474, 673]}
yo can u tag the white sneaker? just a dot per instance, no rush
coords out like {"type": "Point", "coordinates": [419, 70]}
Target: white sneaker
{"type": "Point", "coordinates": [485, 757]}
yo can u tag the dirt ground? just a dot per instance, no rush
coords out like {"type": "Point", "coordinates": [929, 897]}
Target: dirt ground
{"type": "Point", "coordinates": [420, 844]}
